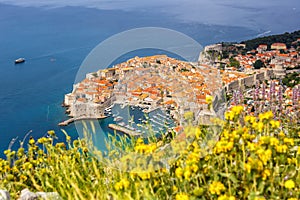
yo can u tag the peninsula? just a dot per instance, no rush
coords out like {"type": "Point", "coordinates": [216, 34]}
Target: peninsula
{"type": "Point", "coordinates": [177, 86]}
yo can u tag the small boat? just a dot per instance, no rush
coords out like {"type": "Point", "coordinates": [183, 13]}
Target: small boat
{"type": "Point", "coordinates": [107, 109]}
{"type": "Point", "coordinates": [118, 118]}
{"type": "Point", "coordinates": [131, 121]}
{"type": "Point", "coordinates": [19, 60]}
{"type": "Point", "coordinates": [121, 124]}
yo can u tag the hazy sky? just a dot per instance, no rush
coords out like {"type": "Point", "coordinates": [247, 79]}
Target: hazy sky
{"type": "Point", "coordinates": [262, 15]}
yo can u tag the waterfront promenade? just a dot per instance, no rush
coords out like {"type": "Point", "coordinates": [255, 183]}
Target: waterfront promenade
{"type": "Point", "coordinates": [71, 120]}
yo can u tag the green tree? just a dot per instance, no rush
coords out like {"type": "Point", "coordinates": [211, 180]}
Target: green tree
{"type": "Point", "coordinates": [234, 63]}
{"type": "Point", "coordinates": [258, 64]}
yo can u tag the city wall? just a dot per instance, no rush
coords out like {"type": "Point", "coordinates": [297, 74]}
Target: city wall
{"type": "Point", "coordinates": [249, 81]}
{"type": "Point", "coordinates": [219, 104]}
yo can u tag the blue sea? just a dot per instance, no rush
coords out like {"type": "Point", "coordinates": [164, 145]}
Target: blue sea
{"type": "Point", "coordinates": [55, 40]}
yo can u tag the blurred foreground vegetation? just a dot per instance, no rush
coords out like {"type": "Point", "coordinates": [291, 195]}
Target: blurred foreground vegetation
{"type": "Point", "coordinates": [244, 157]}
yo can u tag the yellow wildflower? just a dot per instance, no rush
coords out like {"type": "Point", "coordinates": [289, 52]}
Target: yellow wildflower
{"type": "Point", "coordinates": [255, 164]}
{"type": "Point", "coordinates": [179, 172]}
{"type": "Point", "coordinates": [31, 141]}
{"type": "Point", "coordinates": [237, 109]}
{"type": "Point", "coordinates": [42, 140]}
{"type": "Point", "coordinates": [289, 141]}
{"type": "Point", "coordinates": [15, 169]}
{"type": "Point", "coordinates": [68, 138]}
{"type": "Point", "coordinates": [122, 184]}
{"type": "Point", "coordinates": [264, 155]}
{"type": "Point", "coordinates": [208, 99]}
{"type": "Point", "coordinates": [229, 116]}
{"type": "Point", "coordinates": [125, 183]}
{"type": "Point", "coordinates": [265, 174]}
{"type": "Point", "coordinates": [281, 134]}
{"type": "Point", "coordinates": [251, 146]}
{"type": "Point", "coordinates": [292, 199]}
{"type": "Point", "coordinates": [174, 188]}
{"type": "Point", "coordinates": [198, 133]}
{"type": "Point", "coordinates": [259, 198]}
{"type": "Point", "coordinates": [225, 197]}
{"type": "Point", "coordinates": [182, 196]}
{"type": "Point", "coordinates": [151, 148]}
{"type": "Point", "coordinates": [247, 167]}
{"type": "Point", "coordinates": [140, 148]}
{"type": "Point", "coordinates": [281, 148]}
{"type": "Point", "coordinates": [194, 168]}
{"type": "Point", "coordinates": [250, 119]}
{"type": "Point", "coordinates": [289, 184]}
{"type": "Point", "coordinates": [27, 166]}
{"type": "Point", "coordinates": [51, 133]}
{"type": "Point", "coordinates": [275, 124]}
{"type": "Point", "coordinates": [144, 175]}
{"type": "Point", "coordinates": [223, 147]}
{"type": "Point", "coordinates": [216, 187]}
{"type": "Point", "coordinates": [293, 161]}
{"type": "Point", "coordinates": [118, 186]}
{"type": "Point", "coordinates": [266, 116]}
{"type": "Point", "coordinates": [260, 126]}
{"type": "Point", "coordinates": [192, 157]}
{"type": "Point", "coordinates": [23, 178]}
{"type": "Point", "coordinates": [7, 151]}
{"type": "Point", "coordinates": [187, 174]}
{"type": "Point", "coordinates": [274, 141]}
{"type": "Point", "coordinates": [208, 157]}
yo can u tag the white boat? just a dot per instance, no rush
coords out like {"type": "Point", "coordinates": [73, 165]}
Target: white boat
{"type": "Point", "coordinates": [121, 124]}
{"type": "Point", "coordinates": [19, 60]}
{"type": "Point", "coordinates": [131, 121]}
{"type": "Point", "coordinates": [118, 118]}
{"type": "Point", "coordinates": [107, 109]}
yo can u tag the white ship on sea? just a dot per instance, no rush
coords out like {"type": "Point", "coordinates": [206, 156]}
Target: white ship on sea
{"type": "Point", "coordinates": [19, 60]}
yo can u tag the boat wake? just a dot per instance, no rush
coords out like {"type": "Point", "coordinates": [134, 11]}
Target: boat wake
{"type": "Point", "coordinates": [263, 34]}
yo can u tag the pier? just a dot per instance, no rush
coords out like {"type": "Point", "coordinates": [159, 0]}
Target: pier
{"type": "Point", "coordinates": [124, 130]}
{"type": "Point", "coordinates": [73, 119]}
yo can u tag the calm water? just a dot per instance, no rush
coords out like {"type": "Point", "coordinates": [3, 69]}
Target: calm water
{"type": "Point", "coordinates": [54, 42]}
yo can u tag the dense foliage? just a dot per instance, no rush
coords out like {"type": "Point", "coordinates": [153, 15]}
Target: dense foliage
{"type": "Point", "coordinates": [252, 158]}
{"type": "Point", "coordinates": [287, 38]}
{"type": "Point", "coordinates": [291, 79]}
{"type": "Point", "coordinates": [234, 63]}
{"type": "Point", "coordinates": [258, 64]}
